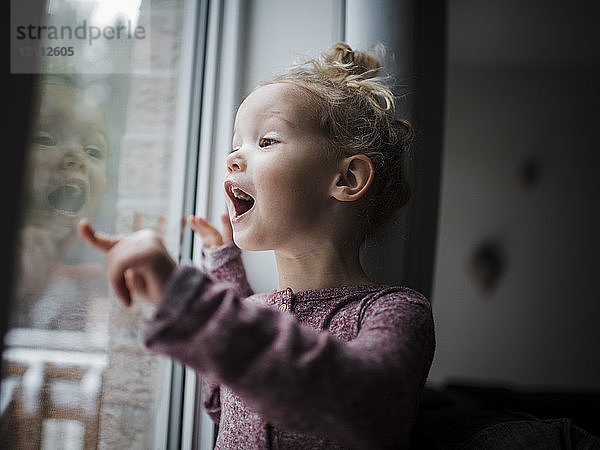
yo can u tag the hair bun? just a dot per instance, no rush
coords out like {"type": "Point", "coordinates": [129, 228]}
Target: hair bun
{"type": "Point", "coordinates": [348, 62]}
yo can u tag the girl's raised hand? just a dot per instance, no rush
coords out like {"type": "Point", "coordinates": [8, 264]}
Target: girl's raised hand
{"type": "Point", "coordinates": [211, 237]}
{"type": "Point", "coordinates": [138, 263]}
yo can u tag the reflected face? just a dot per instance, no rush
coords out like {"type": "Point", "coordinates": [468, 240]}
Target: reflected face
{"type": "Point", "coordinates": [69, 149]}
{"type": "Point", "coordinates": [279, 173]}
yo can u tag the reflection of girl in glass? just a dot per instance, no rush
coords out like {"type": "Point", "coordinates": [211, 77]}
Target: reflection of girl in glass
{"type": "Point", "coordinates": [67, 179]}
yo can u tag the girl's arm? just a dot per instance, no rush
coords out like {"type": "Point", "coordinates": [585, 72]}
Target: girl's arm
{"type": "Point", "coordinates": [222, 259]}
{"type": "Point", "coordinates": [362, 393]}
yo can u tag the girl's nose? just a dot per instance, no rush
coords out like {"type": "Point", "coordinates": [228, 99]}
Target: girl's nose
{"type": "Point", "coordinates": [73, 160]}
{"type": "Point", "coordinates": [236, 162]}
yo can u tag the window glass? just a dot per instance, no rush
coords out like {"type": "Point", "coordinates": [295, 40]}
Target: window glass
{"type": "Point", "coordinates": [102, 146]}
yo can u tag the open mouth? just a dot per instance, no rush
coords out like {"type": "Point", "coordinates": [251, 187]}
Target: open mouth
{"type": "Point", "coordinates": [241, 200]}
{"type": "Point", "coordinates": [68, 199]}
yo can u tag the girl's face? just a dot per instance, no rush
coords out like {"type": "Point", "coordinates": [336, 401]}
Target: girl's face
{"type": "Point", "coordinates": [279, 173]}
{"type": "Point", "coordinates": [69, 148]}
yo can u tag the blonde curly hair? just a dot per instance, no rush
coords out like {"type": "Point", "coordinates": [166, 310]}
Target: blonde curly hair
{"type": "Point", "coordinates": [356, 112]}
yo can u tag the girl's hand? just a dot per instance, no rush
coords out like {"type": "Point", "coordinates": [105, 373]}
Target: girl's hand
{"type": "Point", "coordinates": [210, 235]}
{"type": "Point", "coordinates": [138, 263]}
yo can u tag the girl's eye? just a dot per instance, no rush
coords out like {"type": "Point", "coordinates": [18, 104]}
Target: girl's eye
{"type": "Point", "coordinates": [44, 139]}
{"type": "Point", "coordinates": [94, 152]}
{"type": "Point", "coordinates": [266, 142]}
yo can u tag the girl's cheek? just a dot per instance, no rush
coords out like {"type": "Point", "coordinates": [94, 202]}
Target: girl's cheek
{"type": "Point", "coordinates": [98, 175]}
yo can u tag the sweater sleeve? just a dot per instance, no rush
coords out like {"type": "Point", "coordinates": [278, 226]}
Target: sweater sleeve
{"type": "Point", "coordinates": [362, 393]}
{"type": "Point", "coordinates": [225, 264]}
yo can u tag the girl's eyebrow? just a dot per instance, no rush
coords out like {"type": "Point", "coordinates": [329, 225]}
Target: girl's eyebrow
{"type": "Point", "coordinates": [273, 114]}
{"type": "Point", "coordinates": [277, 114]}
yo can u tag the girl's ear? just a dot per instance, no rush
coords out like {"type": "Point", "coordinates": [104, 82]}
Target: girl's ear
{"type": "Point", "coordinates": [353, 179]}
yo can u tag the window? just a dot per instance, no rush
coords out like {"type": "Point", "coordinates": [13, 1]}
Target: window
{"type": "Point", "coordinates": [108, 141]}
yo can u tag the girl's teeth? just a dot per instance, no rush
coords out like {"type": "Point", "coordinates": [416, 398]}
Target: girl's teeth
{"type": "Point", "coordinates": [75, 188]}
{"type": "Point", "coordinates": [238, 193]}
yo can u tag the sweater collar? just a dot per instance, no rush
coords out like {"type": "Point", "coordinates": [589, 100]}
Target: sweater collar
{"type": "Point", "coordinates": [325, 293]}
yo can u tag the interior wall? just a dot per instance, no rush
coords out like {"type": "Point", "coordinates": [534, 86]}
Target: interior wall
{"type": "Point", "coordinates": [516, 293]}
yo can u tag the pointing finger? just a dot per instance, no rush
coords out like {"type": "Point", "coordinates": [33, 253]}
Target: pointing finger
{"type": "Point", "coordinates": [102, 242]}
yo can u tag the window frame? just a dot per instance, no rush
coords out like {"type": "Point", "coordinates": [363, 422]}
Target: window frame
{"type": "Point", "coordinates": [174, 407]}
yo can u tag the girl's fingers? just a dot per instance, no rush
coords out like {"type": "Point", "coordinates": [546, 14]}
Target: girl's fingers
{"type": "Point", "coordinates": [137, 263]}
{"type": "Point", "coordinates": [119, 285]}
{"type": "Point", "coordinates": [123, 270]}
{"type": "Point", "coordinates": [210, 235]}
{"type": "Point", "coordinates": [135, 283]}
{"type": "Point", "coordinates": [159, 226]}
{"type": "Point", "coordinates": [227, 228]}
{"type": "Point", "coordinates": [201, 226]}
{"type": "Point", "coordinates": [101, 242]}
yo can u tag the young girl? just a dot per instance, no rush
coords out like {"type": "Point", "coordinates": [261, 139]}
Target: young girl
{"type": "Point", "coordinates": [330, 360]}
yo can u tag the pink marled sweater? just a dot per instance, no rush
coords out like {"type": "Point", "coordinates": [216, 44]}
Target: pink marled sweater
{"type": "Point", "coordinates": [329, 368]}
